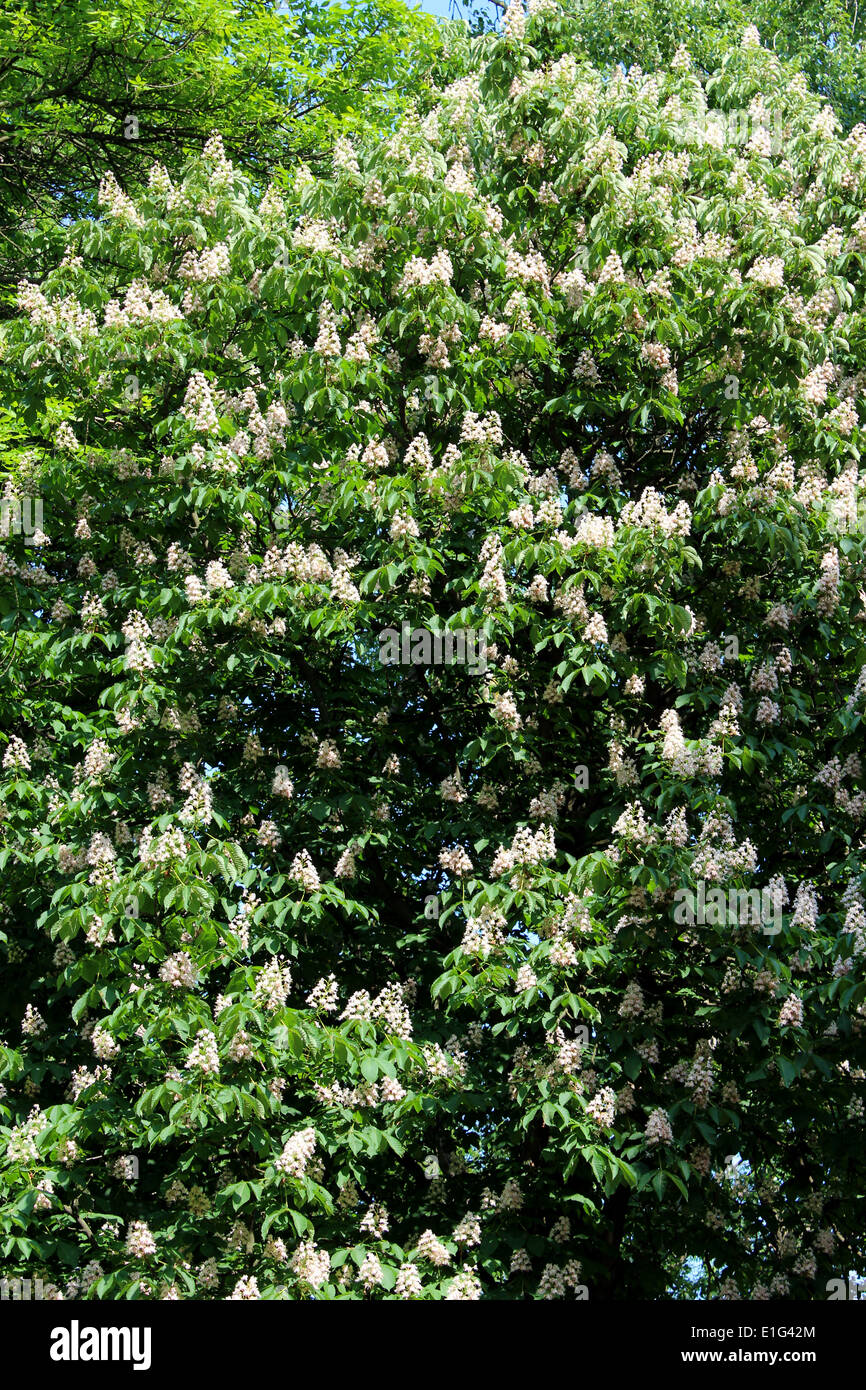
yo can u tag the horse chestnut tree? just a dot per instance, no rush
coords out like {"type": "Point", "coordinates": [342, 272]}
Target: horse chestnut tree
{"type": "Point", "coordinates": [346, 977]}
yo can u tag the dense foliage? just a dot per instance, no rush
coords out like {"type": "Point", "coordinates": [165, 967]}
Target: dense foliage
{"type": "Point", "coordinates": [821, 38]}
{"type": "Point", "coordinates": [341, 977]}
{"type": "Point", "coordinates": [86, 88]}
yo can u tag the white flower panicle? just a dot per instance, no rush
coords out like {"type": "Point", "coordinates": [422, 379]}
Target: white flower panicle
{"type": "Point", "coordinates": [296, 1154]}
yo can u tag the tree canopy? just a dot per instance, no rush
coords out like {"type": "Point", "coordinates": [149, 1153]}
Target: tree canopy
{"type": "Point", "coordinates": [821, 38]}
{"type": "Point", "coordinates": [91, 88]}
{"type": "Point", "coordinates": [346, 970]}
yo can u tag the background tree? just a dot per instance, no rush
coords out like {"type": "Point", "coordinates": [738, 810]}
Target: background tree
{"type": "Point", "coordinates": [87, 89]}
